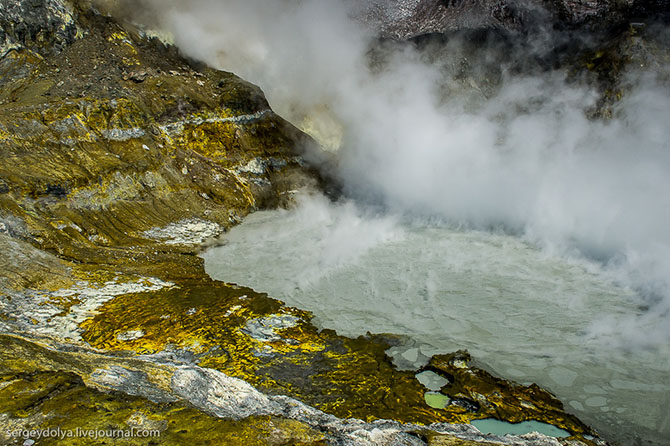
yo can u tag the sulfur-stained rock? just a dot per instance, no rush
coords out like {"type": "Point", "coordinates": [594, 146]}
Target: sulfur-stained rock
{"type": "Point", "coordinates": [65, 411]}
{"type": "Point", "coordinates": [477, 391]}
{"type": "Point", "coordinates": [205, 391]}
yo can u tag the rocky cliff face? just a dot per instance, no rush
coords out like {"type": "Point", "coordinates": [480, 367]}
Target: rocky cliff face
{"type": "Point", "coordinates": [410, 18]}
{"type": "Point", "coordinates": [45, 26]}
{"type": "Point", "coordinates": [120, 159]}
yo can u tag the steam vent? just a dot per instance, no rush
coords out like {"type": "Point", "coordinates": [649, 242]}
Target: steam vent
{"type": "Point", "coordinates": [136, 149]}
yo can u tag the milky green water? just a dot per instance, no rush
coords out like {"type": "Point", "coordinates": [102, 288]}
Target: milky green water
{"type": "Point", "coordinates": [522, 313]}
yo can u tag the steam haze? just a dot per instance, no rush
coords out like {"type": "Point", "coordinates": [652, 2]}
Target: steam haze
{"type": "Point", "coordinates": [418, 137]}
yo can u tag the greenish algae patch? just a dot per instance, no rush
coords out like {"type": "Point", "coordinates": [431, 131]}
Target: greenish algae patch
{"type": "Point", "coordinates": [436, 400]}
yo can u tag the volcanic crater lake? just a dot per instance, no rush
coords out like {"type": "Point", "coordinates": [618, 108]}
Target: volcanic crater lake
{"type": "Point", "coordinates": [522, 312]}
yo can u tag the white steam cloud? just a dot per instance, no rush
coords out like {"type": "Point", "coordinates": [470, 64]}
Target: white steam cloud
{"type": "Point", "coordinates": [523, 157]}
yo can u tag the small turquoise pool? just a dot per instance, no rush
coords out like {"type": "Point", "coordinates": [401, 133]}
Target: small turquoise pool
{"type": "Point", "coordinates": [497, 427]}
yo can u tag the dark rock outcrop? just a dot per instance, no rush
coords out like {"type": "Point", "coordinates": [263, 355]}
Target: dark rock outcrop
{"type": "Point", "coordinates": [410, 18]}
{"type": "Point", "coordinates": [46, 26]}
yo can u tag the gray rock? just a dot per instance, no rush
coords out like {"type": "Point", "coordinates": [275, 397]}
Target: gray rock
{"type": "Point", "coordinates": [219, 394]}
{"type": "Point", "coordinates": [263, 329]}
{"type": "Point", "coordinates": [131, 382]}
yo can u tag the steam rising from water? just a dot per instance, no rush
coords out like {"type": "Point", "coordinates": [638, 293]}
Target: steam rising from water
{"type": "Point", "coordinates": [419, 137]}
{"type": "Point", "coordinates": [518, 309]}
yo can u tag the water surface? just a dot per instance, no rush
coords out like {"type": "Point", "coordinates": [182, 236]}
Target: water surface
{"type": "Point", "coordinates": [523, 313]}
